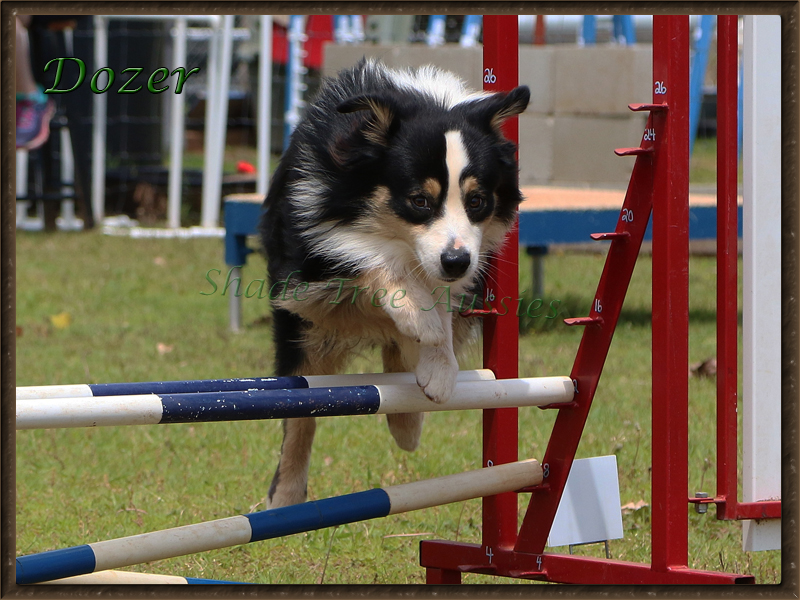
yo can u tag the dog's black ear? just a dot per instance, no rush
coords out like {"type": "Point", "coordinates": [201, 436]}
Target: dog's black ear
{"type": "Point", "coordinates": [493, 111]}
{"type": "Point", "coordinates": [384, 116]}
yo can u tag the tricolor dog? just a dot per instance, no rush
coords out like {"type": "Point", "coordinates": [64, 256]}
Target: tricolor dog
{"type": "Point", "coordinates": [395, 189]}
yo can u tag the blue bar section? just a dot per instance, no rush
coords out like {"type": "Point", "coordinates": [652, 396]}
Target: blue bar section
{"type": "Point", "coordinates": [329, 512]}
{"type": "Point", "coordinates": [270, 404]}
{"type": "Point", "coordinates": [195, 581]}
{"type": "Point", "coordinates": [197, 386]}
{"type": "Point", "coordinates": [55, 564]}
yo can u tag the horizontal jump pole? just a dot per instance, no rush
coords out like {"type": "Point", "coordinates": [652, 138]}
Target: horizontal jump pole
{"type": "Point", "coordinates": [277, 522]}
{"type": "Point", "coordinates": [83, 390]}
{"type": "Point", "coordinates": [131, 578]}
{"type": "Point", "coordinates": [155, 409]}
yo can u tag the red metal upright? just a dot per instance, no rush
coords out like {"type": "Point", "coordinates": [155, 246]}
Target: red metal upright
{"type": "Point", "coordinates": [670, 396]}
{"type": "Point", "coordinates": [501, 333]}
{"type": "Point", "coordinates": [727, 258]}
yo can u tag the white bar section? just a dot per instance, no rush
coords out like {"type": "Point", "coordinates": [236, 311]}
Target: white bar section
{"type": "Point", "coordinates": [761, 418]}
{"type": "Point", "coordinates": [119, 578]}
{"type": "Point", "coordinates": [103, 411]}
{"type": "Point", "coordinates": [264, 104]}
{"type": "Point", "coordinates": [176, 131]}
{"type": "Point", "coordinates": [501, 393]}
{"type": "Point", "coordinates": [464, 486]}
{"type": "Point", "coordinates": [316, 381]}
{"type": "Point", "coordinates": [37, 392]}
{"type": "Point", "coordinates": [100, 121]}
{"type": "Point", "coordinates": [179, 541]}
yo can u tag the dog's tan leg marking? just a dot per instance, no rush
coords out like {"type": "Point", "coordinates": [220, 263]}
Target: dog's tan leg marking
{"type": "Point", "coordinates": [437, 368]}
{"type": "Point", "coordinates": [290, 482]}
{"type": "Point", "coordinates": [291, 477]}
{"type": "Point", "coordinates": [406, 428]}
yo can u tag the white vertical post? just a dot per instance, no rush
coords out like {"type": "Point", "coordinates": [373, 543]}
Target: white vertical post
{"type": "Point", "coordinates": [67, 220]}
{"type": "Point", "coordinates": [264, 104]}
{"type": "Point", "coordinates": [99, 126]}
{"type": "Point", "coordinates": [295, 70]}
{"type": "Point", "coordinates": [212, 192]}
{"type": "Point", "coordinates": [176, 131]}
{"type": "Point", "coordinates": [212, 96]}
{"type": "Point", "coordinates": [761, 468]}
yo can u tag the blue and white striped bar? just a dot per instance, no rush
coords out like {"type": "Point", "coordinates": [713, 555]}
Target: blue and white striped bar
{"type": "Point", "coordinates": [154, 409]}
{"type": "Point", "coordinates": [80, 390]}
{"type": "Point", "coordinates": [268, 524]}
{"type": "Point", "coordinates": [131, 578]}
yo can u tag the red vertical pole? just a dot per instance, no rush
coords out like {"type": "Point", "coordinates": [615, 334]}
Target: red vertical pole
{"type": "Point", "coordinates": [539, 31]}
{"type": "Point", "coordinates": [500, 333]}
{"type": "Point", "coordinates": [727, 256]}
{"type": "Point", "coordinates": [670, 395]}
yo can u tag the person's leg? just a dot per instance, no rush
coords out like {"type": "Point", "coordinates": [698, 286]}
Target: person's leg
{"type": "Point", "coordinates": [25, 82]}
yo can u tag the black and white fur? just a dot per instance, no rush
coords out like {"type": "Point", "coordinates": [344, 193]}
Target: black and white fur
{"type": "Point", "coordinates": [398, 181]}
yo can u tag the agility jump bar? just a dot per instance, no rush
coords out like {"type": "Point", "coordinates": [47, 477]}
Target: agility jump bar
{"type": "Point", "coordinates": [277, 522]}
{"type": "Point", "coordinates": [131, 578]}
{"type": "Point", "coordinates": [83, 390]}
{"type": "Point", "coordinates": [203, 407]}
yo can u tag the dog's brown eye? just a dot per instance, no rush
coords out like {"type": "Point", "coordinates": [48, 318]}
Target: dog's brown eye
{"type": "Point", "coordinates": [476, 202]}
{"type": "Point", "coordinates": [420, 202]}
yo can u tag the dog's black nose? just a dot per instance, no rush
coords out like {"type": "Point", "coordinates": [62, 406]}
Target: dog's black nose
{"type": "Point", "coordinates": [455, 262]}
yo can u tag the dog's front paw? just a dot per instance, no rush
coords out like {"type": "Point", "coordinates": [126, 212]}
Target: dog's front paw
{"type": "Point", "coordinates": [436, 373]}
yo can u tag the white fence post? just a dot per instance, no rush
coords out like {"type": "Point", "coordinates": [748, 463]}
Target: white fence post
{"type": "Point", "coordinates": [761, 468]}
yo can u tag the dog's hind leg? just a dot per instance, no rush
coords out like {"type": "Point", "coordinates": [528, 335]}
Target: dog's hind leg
{"type": "Point", "coordinates": [290, 482]}
{"type": "Point", "coordinates": [406, 428]}
{"type": "Point", "coordinates": [307, 357]}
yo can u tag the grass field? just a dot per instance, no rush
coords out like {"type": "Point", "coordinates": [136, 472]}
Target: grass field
{"type": "Point", "coordinates": [92, 308]}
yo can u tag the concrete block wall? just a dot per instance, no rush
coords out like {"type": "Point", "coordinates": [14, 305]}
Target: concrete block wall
{"type": "Point", "coordinates": [578, 112]}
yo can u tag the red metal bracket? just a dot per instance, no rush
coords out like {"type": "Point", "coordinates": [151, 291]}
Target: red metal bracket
{"type": "Point", "coordinates": [614, 235]}
{"type": "Point", "coordinates": [577, 321]}
{"type": "Point", "coordinates": [632, 151]}
{"type": "Point", "coordinates": [648, 107]}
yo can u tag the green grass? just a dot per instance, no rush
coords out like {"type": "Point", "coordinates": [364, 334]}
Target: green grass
{"type": "Point", "coordinates": [125, 297]}
{"type": "Point", "coordinates": [703, 163]}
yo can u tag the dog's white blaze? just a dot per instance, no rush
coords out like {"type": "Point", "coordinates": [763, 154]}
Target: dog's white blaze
{"type": "Point", "coordinates": [453, 227]}
{"type": "Point", "coordinates": [461, 232]}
